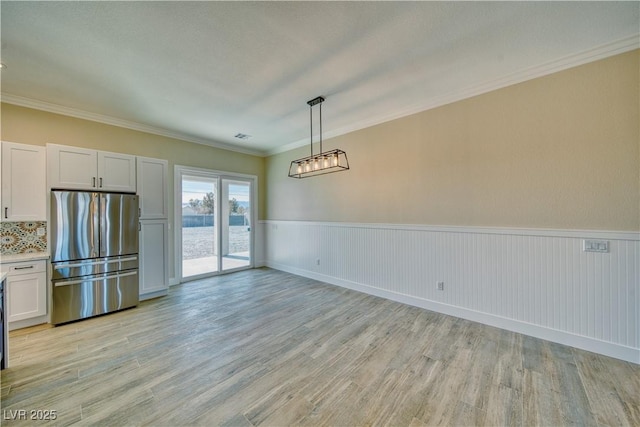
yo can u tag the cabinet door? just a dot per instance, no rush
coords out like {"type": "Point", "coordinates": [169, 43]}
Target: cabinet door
{"type": "Point", "coordinates": [72, 168]}
{"type": "Point", "coordinates": [116, 172]}
{"type": "Point", "coordinates": [154, 256]}
{"type": "Point", "coordinates": [24, 182]}
{"type": "Point", "coordinates": [26, 296]}
{"type": "Point", "coordinates": [152, 188]}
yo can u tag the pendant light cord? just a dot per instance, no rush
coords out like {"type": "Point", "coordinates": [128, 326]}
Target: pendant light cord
{"type": "Point", "coordinates": [311, 127]}
{"type": "Point", "coordinates": [321, 127]}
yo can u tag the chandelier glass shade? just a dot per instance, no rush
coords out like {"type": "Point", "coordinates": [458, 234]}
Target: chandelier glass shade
{"type": "Point", "coordinates": [319, 164]}
{"type": "Point", "coordinates": [323, 162]}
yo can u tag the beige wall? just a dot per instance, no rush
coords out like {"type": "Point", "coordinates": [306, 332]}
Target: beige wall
{"type": "Point", "coordinates": [561, 151]}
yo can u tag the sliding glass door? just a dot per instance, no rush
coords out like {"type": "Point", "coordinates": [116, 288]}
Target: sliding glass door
{"type": "Point", "coordinates": [199, 234]}
{"type": "Point", "coordinates": [236, 223]}
{"type": "Point", "coordinates": [214, 222]}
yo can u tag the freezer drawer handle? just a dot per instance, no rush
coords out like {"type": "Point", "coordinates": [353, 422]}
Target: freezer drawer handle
{"type": "Point", "coordinates": [61, 266]}
{"type": "Point", "coordinates": [96, 279]}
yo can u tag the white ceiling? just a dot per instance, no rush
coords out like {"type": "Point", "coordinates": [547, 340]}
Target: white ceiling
{"type": "Point", "coordinates": [205, 71]}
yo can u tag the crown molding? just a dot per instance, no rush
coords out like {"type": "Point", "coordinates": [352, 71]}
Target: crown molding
{"type": "Point", "coordinates": [603, 51]}
{"type": "Point", "coordinates": [113, 121]}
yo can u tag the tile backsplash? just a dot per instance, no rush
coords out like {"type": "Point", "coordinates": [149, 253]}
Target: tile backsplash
{"type": "Point", "coordinates": [22, 237]}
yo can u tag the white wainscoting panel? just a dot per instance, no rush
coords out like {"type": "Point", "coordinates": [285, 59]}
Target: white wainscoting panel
{"type": "Point", "coordinates": [537, 282]}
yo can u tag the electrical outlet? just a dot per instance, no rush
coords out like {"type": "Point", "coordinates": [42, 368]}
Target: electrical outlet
{"type": "Point", "coordinates": [440, 286]}
{"type": "Point", "coordinates": [40, 231]}
{"type": "Point", "coordinates": [318, 261]}
{"type": "Point", "coordinates": [595, 245]}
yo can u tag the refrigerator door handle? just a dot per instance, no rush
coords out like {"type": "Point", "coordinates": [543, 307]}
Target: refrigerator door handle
{"type": "Point", "coordinates": [95, 279]}
{"type": "Point", "coordinates": [102, 219]}
{"type": "Point", "coordinates": [61, 266]}
{"type": "Point", "coordinates": [95, 225]}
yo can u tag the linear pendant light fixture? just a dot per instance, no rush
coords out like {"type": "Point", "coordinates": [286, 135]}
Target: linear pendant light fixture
{"type": "Point", "coordinates": [323, 162]}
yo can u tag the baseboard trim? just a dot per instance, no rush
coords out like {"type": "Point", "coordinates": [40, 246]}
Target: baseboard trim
{"type": "Point", "coordinates": [26, 323]}
{"type": "Point", "coordinates": [155, 294]}
{"type": "Point", "coordinates": [617, 351]}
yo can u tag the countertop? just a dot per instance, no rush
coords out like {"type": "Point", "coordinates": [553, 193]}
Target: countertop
{"type": "Point", "coordinates": [35, 256]}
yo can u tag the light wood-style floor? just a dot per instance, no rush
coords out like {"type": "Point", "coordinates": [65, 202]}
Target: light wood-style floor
{"type": "Point", "coordinates": [263, 347]}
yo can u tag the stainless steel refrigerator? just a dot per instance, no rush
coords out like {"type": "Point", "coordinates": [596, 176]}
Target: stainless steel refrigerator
{"type": "Point", "coordinates": [94, 253]}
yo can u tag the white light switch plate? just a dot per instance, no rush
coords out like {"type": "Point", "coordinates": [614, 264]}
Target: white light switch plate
{"type": "Point", "coordinates": [590, 245]}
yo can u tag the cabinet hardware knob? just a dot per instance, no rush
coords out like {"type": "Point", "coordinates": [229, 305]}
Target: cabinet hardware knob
{"type": "Point", "coordinates": [6, 213]}
{"type": "Point", "coordinates": [93, 181]}
{"type": "Point", "coordinates": [100, 182]}
{"type": "Point", "coordinates": [23, 268]}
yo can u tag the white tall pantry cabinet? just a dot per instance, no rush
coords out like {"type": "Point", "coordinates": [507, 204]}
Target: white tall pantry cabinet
{"type": "Point", "coordinates": [152, 177]}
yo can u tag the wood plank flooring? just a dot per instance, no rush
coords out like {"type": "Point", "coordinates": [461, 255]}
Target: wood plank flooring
{"type": "Point", "coordinates": [263, 347]}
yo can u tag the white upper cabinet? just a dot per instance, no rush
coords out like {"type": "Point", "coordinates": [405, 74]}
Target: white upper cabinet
{"type": "Point", "coordinates": [116, 172]}
{"type": "Point", "coordinates": [152, 188]}
{"type": "Point", "coordinates": [72, 168]}
{"type": "Point", "coordinates": [24, 182]}
{"type": "Point", "coordinates": [75, 168]}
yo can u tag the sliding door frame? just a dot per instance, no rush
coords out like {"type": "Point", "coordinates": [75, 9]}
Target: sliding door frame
{"type": "Point", "coordinates": [179, 172]}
